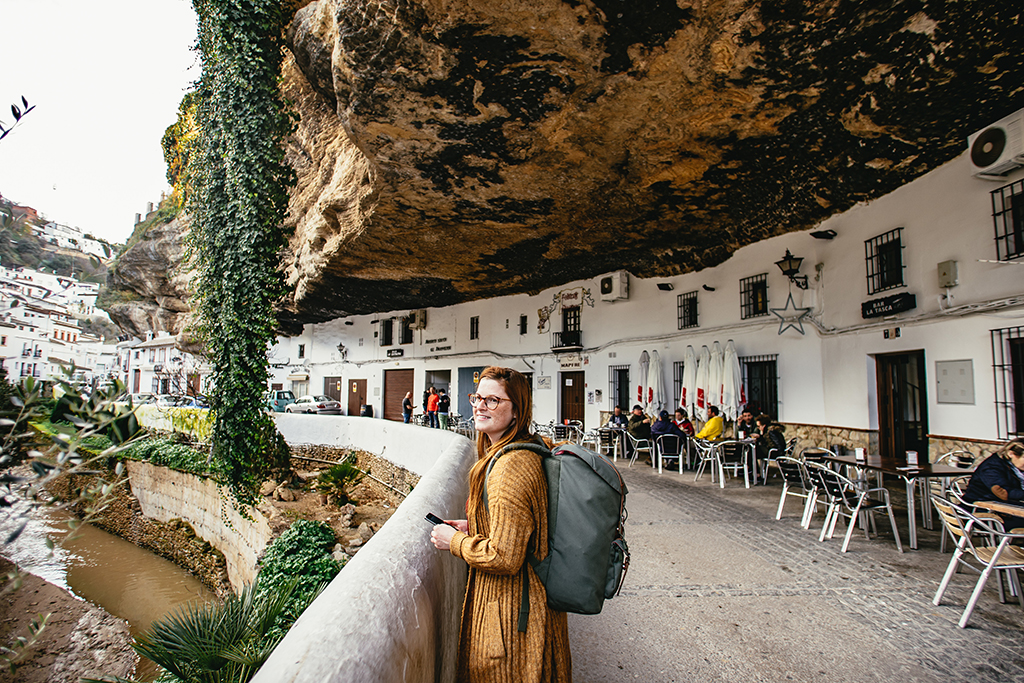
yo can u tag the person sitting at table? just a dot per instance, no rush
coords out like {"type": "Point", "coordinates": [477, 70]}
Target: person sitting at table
{"type": "Point", "coordinates": [665, 425]}
{"type": "Point", "coordinates": [768, 436]}
{"type": "Point", "coordinates": [618, 420]}
{"type": "Point", "coordinates": [1000, 477]}
{"type": "Point", "coordinates": [714, 427]}
{"type": "Point", "coordinates": [744, 426]}
{"type": "Point", "coordinates": [639, 427]}
{"type": "Point", "coordinates": [683, 422]}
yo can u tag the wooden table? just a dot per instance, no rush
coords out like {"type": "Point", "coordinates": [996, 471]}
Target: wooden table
{"type": "Point", "coordinates": [1000, 506]}
{"type": "Point", "coordinates": [909, 474]}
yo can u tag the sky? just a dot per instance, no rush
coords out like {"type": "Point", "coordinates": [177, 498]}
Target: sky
{"type": "Point", "coordinates": [106, 77]}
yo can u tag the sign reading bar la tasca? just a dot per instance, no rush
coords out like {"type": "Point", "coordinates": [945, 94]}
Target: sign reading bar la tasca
{"type": "Point", "coordinates": [890, 305]}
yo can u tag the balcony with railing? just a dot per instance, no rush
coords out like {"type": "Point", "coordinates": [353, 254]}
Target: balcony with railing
{"type": "Point", "coordinates": [569, 340]}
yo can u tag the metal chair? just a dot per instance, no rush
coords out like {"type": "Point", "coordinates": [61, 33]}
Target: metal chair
{"type": "Point", "coordinates": [732, 455]}
{"type": "Point", "coordinates": [773, 456]}
{"type": "Point", "coordinates": [967, 528]}
{"type": "Point", "coordinates": [797, 483]}
{"type": "Point", "coordinates": [639, 445]}
{"type": "Point", "coordinates": [846, 500]}
{"type": "Point", "coordinates": [939, 485]}
{"type": "Point", "coordinates": [705, 454]}
{"type": "Point", "coordinates": [668, 446]}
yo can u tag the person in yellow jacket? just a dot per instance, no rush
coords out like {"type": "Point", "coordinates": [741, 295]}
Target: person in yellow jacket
{"type": "Point", "coordinates": [714, 427]}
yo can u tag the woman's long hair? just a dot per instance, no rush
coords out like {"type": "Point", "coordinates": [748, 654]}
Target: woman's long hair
{"type": "Point", "coordinates": [518, 389]}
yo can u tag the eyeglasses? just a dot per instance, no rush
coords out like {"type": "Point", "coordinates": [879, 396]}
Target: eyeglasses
{"type": "Point", "coordinates": [491, 402]}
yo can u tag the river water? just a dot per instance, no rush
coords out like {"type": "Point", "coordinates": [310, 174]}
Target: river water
{"type": "Point", "coordinates": [106, 570]}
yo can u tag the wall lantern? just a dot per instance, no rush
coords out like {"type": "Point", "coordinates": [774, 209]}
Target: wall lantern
{"type": "Point", "coordinates": [790, 266]}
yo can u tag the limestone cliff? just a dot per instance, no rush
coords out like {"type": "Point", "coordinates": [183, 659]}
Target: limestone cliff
{"type": "Point", "coordinates": [449, 150]}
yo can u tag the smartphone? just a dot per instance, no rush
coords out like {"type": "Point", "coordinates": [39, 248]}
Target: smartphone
{"type": "Point", "coordinates": [434, 519]}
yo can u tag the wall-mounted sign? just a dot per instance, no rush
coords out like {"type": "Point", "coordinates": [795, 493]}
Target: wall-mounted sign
{"type": "Point", "coordinates": [570, 361]}
{"type": "Point", "coordinates": [446, 347]}
{"type": "Point", "coordinates": [439, 340]}
{"type": "Point", "coordinates": [544, 382]}
{"type": "Point", "coordinates": [396, 353]}
{"type": "Point", "coordinates": [890, 305]}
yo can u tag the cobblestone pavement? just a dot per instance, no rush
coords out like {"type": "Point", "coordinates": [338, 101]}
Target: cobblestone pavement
{"type": "Point", "coordinates": [720, 590]}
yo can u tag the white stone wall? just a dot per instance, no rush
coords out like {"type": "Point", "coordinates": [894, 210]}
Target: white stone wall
{"type": "Point", "coordinates": [165, 494]}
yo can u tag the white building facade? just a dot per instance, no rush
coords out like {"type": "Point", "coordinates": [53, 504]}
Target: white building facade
{"type": "Point", "coordinates": [913, 333]}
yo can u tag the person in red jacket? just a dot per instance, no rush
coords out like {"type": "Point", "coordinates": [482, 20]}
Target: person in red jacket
{"type": "Point", "coordinates": [432, 402]}
{"type": "Point", "coordinates": [683, 422]}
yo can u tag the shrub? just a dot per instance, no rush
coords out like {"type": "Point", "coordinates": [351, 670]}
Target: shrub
{"type": "Point", "coordinates": [337, 481]}
{"type": "Point", "coordinates": [303, 552]}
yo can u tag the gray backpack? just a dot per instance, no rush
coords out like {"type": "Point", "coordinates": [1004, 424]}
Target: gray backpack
{"type": "Point", "coordinates": [587, 555]}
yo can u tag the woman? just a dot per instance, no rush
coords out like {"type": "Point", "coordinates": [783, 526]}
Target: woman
{"type": "Point", "coordinates": [768, 437]}
{"type": "Point", "coordinates": [1001, 477]}
{"type": "Point", "coordinates": [494, 542]}
{"type": "Point", "coordinates": [683, 422]}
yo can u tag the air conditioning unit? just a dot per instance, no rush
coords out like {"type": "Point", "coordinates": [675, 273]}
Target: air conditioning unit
{"type": "Point", "coordinates": [615, 286]}
{"type": "Point", "coordinates": [998, 149]}
{"type": "Point", "coordinates": [418, 319]}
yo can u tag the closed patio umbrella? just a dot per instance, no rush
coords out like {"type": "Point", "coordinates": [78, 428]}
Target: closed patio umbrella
{"type": "Point", "coordinates": [655, 386]}
{"type": "Point", "coordinates": [688, 395]}
{"type": "Point", "coordinates": [641, 387]}
{"type": "Point", "coordinates": [731, 383]}
{"type": "Point", "coordinates": [715, 376]}
{"type": "Point", "coordinates": [700, 405]}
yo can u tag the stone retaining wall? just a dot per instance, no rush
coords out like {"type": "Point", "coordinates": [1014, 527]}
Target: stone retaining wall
{"type": "Point", "coordinates": [394, 484]}
{"type": "Point", "coordinates": [939, 445]}
{"type": "Point", "coordinates": [165, 494]}
{"type": "Point", "coordinates": [831, 437]}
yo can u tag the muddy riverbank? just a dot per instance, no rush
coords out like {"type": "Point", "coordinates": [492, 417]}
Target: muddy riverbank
{"type": "Point", "coordinates": [80, 639]}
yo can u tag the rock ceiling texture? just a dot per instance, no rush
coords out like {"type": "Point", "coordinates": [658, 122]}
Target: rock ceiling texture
{"type": "Point", "coordinates": [450, 150]}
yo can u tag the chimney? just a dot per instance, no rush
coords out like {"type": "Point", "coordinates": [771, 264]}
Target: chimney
{"type": "Point", "coordinates": [138, 218]}
{"type": "Point", "coordinates": [149, 208]}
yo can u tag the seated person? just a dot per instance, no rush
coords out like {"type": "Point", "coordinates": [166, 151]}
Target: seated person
{"type": "Point", "coordinates": [665, 425]}
{"type": "Point", "coordinates": [1001, 477]}
{"type": "Point", "coordinates": [768, 436]}
{"type": "Point", "coordinates": [683, 422]}
{"type": "Point", "coordinates": [617, 419]}
{"type": "Point", "coordinates": [714, 427]}
{"type": "Point", "coordinates": [639, 427]}
{"type": "Point", "coordinates": [745, 424]}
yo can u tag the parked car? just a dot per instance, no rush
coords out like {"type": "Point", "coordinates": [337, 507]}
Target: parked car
{"type": "Point", "coordinates": [277, 400]}
{"type": "Point", "coordinates": [321, 405]}
{"type": "Point", "coordinates": [142, 398]}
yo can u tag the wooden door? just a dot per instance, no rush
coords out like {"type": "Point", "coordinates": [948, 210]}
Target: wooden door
{"type": "Point", "coordinates": [573, 391]}
{"type": "Point", "coordinates": [396, 384]}
{"type": "Point", "coordinates": [356, 395]}
{"type": "Point", "coordinates": [136, 381]}
{"type": "Point", "coordinates": [902, 405]}
{"type": "Point", "coordinates": [332, 388]}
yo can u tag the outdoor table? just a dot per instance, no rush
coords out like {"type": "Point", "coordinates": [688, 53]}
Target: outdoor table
{"type": "Point", "coordinates": [1000, 506]}
{"type": "Point", "coordinates": [748, 451]}
{"type": "Point", "coordinates": [908, 473]}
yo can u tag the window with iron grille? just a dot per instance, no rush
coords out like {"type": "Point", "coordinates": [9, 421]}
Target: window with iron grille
{"type": "Point", "coordinates": [884, 258]}
{"type": "Point", "coordinates": [754, 296]}
{"type": "Point", "coordinates": [618, 386]}
{"type": "Point", "coordinates": [1008, 215]}
{"type": "Point", "coordinates": [405, 330]}
{"type": "Point", "coordinates": [522, 324]}
{"type": "Point", "coordinates": [474, 327]}
{"type": "Point", "coordinates": [761, 383]}
{"type": "Point", "coordinates": [387, 332]}
{"type": "Point", "coordinates": [686, 310]}
{"type": "Point", "coordinates": [1008, 366]}
{"type": "Point", "coordinates": [677, 382]}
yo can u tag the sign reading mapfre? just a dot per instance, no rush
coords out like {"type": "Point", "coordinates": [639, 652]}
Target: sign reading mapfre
{"type": "Point", "coordinates": [890, 305]}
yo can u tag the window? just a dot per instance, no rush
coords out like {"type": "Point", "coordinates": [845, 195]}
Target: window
{"type": "Point", "coordinates": [1008, 215]}
{"type": "Point", "coordinates": [677, 381]}
{"type": "Point", "coordinates": [387, 332]}
{"type": "Point", "coordinates": [156, 385]}
{"type": "Point", "coordinates": [302, 350]}
{"type": "Point", "coordinates": [3, 341]}
{"type": "Point", "coordinates": [522, 324]}
{"type": "Point", "coordinates": [137, 354]}
{"type": "Point", "coordinates": [152, 355]}
{"type": "Point", "coordinates": [405, 330]}
{"type": "Point", "coordinates": [754, 296]}
{"type": "Point", "coordinates": [761, 383]}
{"type": "Point", "coordinates": [1008, 362]}
{"type": "Point", "coordinates": [161, 355]}
{"type": "Point", "coordinates": [686, 310]}
{"type": "Point", "coordinates": [618, 386]}
{"type": "Point", "coordinates": [474, 327]}
{"type": "Point", "coordinates": [884, 258]}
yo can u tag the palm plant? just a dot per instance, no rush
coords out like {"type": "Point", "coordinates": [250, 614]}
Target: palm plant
{"type": "Point", "coordinates": [215, 643]}
{"type": "Point", "coordinates": [337, 481]}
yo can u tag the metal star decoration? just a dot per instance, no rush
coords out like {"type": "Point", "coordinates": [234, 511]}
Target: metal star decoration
{"type": "Point", "coordinates": [791, 316]}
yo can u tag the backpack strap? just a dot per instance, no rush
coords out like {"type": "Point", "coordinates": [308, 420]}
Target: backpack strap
{"type": "Point", "coordinates": [542, 451]}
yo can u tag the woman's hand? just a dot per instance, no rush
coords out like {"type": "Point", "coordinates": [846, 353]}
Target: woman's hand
{"type": "Point", "coordinates": [441, 535]}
